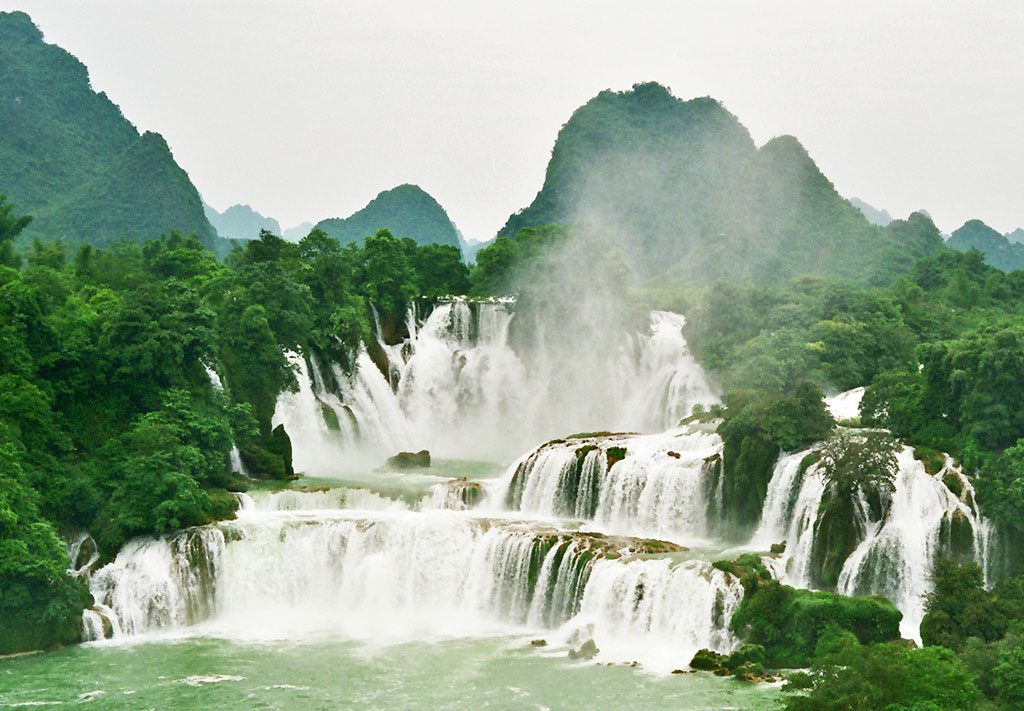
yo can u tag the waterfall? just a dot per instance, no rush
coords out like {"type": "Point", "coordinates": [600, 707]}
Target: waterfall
{"type": "Point", "coordinates": [459, 388]}
{"type": "Point", "coordinates": [326, 499]}
{"type": "Point", "coordinates": [659, 609]}
{"type": "Point", "coordinates": [921, 519]}
{"type": "Point", "coordinates": [896, 557]}
{"type": "Point", "coordinates": [656, 485]}
{"type": "Point", "coordinates": [234, 456]}
{"type": "Point", "coordinates": [399, 575]}
{"type": "Point", "coordinates": [162, 582]}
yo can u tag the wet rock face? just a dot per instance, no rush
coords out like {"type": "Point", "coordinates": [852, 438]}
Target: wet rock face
{"type": "Point", "coordinates": [587, 650]}
{"type": "Point", "coordinates": [410, 460]}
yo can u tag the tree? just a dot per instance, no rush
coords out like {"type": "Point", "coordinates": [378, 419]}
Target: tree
{"type": "Point", "coordinates": [10, 227]}
{"type": "Point", "coordinates": [859, 460]}
{"type": "Point", "coordinates": [887, 676]}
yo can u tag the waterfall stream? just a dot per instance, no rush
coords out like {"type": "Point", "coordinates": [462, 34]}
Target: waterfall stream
{"type": "Point", "coordinates": [459, 388]}
{"type": "Point", "coordinates": [290, 567]}
{"type": "Point", "coordinates": [603, 536]}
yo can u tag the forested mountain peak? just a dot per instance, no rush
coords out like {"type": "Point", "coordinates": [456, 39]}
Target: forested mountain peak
{"type": "Point", "coordinates": [682, 186]}
{"type": "Point", "coordinates": [998, 249]}
{"type": "Point", "coordinates": [71, 159]}
{"type": "Point", "coordinates": [406, 210]}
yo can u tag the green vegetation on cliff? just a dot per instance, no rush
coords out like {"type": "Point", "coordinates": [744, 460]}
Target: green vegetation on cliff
{"type": "Point", "coordinates": [685, 189]}
{"type": "Point", "coordinates": [999, 250]}
{"type": "Point", "coordinates": [69, 157]}
{"type": "Point", "coordinates": [109, 421]}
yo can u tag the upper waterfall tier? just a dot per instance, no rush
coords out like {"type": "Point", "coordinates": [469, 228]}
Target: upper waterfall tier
{"type": "Point", "coordinates": [461, 387]}
{"type": "Point", "coordinates": [402, 575]}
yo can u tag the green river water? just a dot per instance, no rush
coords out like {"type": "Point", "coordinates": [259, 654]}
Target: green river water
{"type": "Point", "coordinates": [491, 673]}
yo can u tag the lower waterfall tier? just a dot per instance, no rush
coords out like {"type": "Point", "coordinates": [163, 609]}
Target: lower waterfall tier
{"type": "Point", "coordinates": [400, 575]}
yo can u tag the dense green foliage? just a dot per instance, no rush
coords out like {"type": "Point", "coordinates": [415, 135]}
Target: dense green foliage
{"type": "Point", "coordinates": [109, 421]}
{"type": "Point", "coordinates": [756, 428]}
{"type": "Point", "coordinates": [407, 211]}
{"type": "Point", "coordinates": [69, 157]}
{"type": "Point", "coordinates": [884, 676]}
{"type": "Point", "coordinates": [940, 349]}
{"type": "Point", "coordinates": [788, 622]}
{"type": "Point", "coordinates": [685, 189]}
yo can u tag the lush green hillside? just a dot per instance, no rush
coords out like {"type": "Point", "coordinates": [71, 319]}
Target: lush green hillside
{"type": "Point", "coordinates": [685, 191]}
{"type": "Point", "coordinates": [241, 222]}
{"type": "Point", "coordinates": [408, 211]}
{"type": "Point", "coordinates": [70, 158]}
{"type": "Point", "coordinates": [999, 251]}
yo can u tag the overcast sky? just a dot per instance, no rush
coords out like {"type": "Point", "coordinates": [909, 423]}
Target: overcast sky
{"type": "Point", "coordinates": [307, 110]}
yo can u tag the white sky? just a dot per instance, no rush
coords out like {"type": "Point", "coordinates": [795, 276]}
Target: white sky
{"type": "Point", "coordinates": [307, 110]}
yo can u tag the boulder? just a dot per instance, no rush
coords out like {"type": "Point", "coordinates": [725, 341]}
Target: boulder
{"type": "Point", "coordinates": [587, 650]}
{"type": "Point", "coordinates": [410, 460]}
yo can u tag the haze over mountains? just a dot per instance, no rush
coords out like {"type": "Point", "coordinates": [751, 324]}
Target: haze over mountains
{"type": "Point", "coordinates": [1004, 252]}
{"type": "Point", "coordinates": [679, 187]}
{"type": "Point", "coordinates": [681, 184]}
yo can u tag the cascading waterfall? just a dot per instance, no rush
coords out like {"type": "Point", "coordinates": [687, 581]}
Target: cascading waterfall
{"type": "Point", "coordinates": [650, 485]}
{"type": "Point", "coordinates": [895, 559]}
{"type": "Point", "coordinates": [922, 519]}
{"type": "Point", "coordinates": [458, 388]}
{"type": "Point", "coordinates": [668, 609]}
{"type": "Point", "coordinates": [398, 575]}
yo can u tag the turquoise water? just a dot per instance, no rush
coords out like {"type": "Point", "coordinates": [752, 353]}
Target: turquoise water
{"type": "Point", "coordinates": [493, 673]}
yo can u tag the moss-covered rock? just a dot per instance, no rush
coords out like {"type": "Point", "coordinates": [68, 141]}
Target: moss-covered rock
{"type": "Point", "coordinates": [707, 660]}
{"type": "Point", "coordinates": [788, 622]}
{"type": "Point", "coordinates": [410, 460]}
{"type": "Point", "coordinates": [837, 533]}
{"type": "Point", "coordinates": [956, 537]}
{"type": "Point", "coordinates": [260, 462]}
{"type": "Point", "coordinates": [281, 445]}
{"type": "Point", "coordinates": [330, 417]}
{"type": "Point", "coordinates": [223, 505]}
{"type": "Point", "coordinates": [615, 455]}
{"type": "Point", "coordinates": [953, 482]}
{"type": "Point", "coordinates": [749, 569]}
{"type": "Point", "coordinates": [932, 459]}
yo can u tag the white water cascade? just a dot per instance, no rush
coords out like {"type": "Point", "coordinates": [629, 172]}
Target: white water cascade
{"type": "Point", "coordinates": [662, 485]}
{"type": "Point", "coordinates": [389, 576]}
{"type": "Point", "coordinates": [922, 518]}
{"type": "Point", "coordinates": [459, 388]}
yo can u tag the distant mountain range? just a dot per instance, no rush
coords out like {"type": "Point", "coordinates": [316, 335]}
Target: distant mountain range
{"type": "Point", "coordinates": [240, 222]}
{"type": "Point", "coordinates": [679, 185]}
{"type": "Point", "coordinates": [70, 158]}
{"type": "Point", "coordinates": [876, 216]}
{"type": "Point", "coordinates": [687, 195]}
{"type": "Point", "coordinates": [407, 211]}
